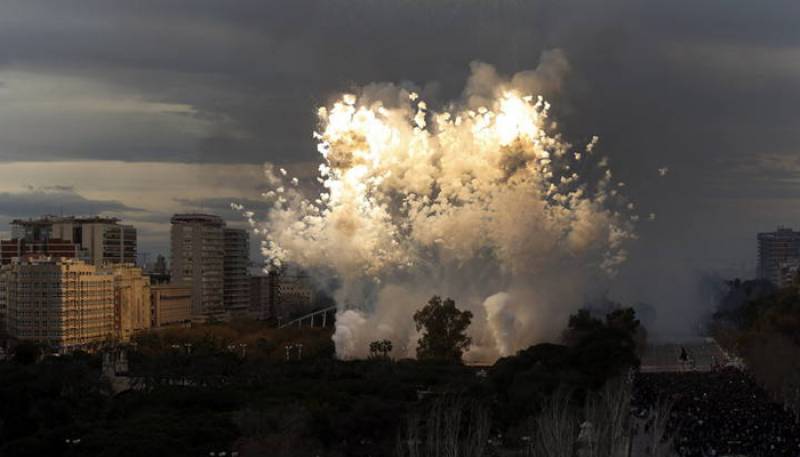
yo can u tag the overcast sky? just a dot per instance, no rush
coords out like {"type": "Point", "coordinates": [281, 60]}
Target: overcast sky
{"type": "Point", "coordinates": [143, 108]}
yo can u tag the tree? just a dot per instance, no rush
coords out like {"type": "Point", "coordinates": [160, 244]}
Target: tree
{"type": "Point", "coordinates": [27, 353]}
{"type": "Point", "coordinates": [581, 324]}
{"type": "Point", "coordinates": [444, 325]}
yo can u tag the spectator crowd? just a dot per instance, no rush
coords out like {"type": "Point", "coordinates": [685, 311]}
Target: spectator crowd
{"type": "Point", "coordinates": [718, 413]}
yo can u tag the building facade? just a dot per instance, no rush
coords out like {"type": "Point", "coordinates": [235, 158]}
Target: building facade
{"type": "Point", "coordinates": [20, 248]}
{"type": "Point", "coordinates": [99, 240]}
{"type": "Point", "coordinates": [170, 305]}
{"type": "Point", "coordinates": [236, 286]}
{"type": "Point", "coordinates": [197, 261]}
{"type": "Point", "coordinates": [132, 308]}
{"type": "Point", "coordinates": [781, 247]}
{"type": "Point", "coordinates": [65, 303]}
{"type": "Point", "coordinates": [788, 272]}
{"type": "Point", "coordinates": [261, 297]}
{"type": "Point", "coordinates": [3, 304]}
{"type": "Point", "coordinates": [294, 295]}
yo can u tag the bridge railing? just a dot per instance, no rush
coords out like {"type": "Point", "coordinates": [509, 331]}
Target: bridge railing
{"type": "Point", "coordinates": [311, 318]}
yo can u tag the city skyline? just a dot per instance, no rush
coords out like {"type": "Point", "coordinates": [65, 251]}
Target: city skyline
{"type": "Point", "coordinates": [410, 228]}
{"type": "Point", "coordinates": [103, 112]}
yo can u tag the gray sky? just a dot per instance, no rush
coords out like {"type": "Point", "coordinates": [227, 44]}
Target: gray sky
{"type": "Point", "coordinates": [140, 109]}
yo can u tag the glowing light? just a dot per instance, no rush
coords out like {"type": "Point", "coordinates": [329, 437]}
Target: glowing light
{"type": "Point", "coordinates": [410, 195]}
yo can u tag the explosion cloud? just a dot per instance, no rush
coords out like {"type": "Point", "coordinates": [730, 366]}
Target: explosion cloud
{"type": "Point", "coordinates": [483, 202]}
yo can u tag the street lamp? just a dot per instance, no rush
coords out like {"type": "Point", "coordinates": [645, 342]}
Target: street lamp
{"type": "Point", "coordinates": [223, 454]}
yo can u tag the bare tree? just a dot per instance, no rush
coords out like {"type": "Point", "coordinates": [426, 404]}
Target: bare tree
{"type": "Point", "coordinates": [556, 428]}
{"type": "Point", "coordinates": [452, 427]}
{"type": "Point", "coordinates": [608, 410]}
{"type": "Point", "coordinates": [655, 438]}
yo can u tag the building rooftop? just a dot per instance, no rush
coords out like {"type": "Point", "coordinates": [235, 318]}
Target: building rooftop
{"type": "Point", "coordinates": [189, 218]}
{"type": "Point", "coordinates": [48, 220]}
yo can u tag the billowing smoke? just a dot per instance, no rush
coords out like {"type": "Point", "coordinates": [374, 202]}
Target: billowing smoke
{"type": "Point", "coordinates": [482, 201]}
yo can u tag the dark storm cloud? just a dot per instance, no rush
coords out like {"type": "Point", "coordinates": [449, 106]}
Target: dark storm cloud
{"type": "Point", "coordinates": [254, 71]}
{"type": "Point", "coordinates": [221, 206]}
{"type": "Point", "coordinates": [55, 200]}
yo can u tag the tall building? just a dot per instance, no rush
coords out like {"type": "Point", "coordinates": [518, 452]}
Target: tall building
{"type": "Point", "coordinates": [158, 271]}
{"type": "Point", "coordinates": [99, 240]}
{"type": "Point", "coordinates": [294, 294]}
{"type": "Point", "coordinates": [132, 310]}
{"type": "Point", "coordinates": [262, 296]}
{"type": "Point", "coordinates": [290, 294]}
{"type": "Point", "coordinates": [171, 305]}
{"type": "Point", "coordinates": [197, 261]}
{"type": "Point", "coordinates": [160, 266]}
{"type": "Point", "coordinates": [236, 283]}
{"type": "Point", "coordinates": [788, 272]}
{"type": "Point", "coordinates": [280, 295]}
{"type": "Point", "coordinates": [3, 304]}
{"type": "Point", "coordinates": [775, 248]}
{"type": "Point", "coordinates": [62, 302]}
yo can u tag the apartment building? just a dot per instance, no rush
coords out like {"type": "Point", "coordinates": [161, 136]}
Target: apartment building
{"type": "Point", "coordinates": [236, 283]}
{"type": "Point", "coordinates": [65, 303]}
{"type": "Point", "coordinates": [132, 307]}
{"type": "Point", "coordinates": [170, 305]}
{"type": "Point", "coordinates": [197, 261]}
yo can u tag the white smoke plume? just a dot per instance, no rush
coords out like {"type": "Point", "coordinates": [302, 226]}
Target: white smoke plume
{"type": "Point", "coordinates": [483, 202]}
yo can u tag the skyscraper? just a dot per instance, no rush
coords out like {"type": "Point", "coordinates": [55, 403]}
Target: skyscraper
{"type": "Point", "coordinates": [775, 248]}
{"type": "Point", "coordinates": [197, 261]}
{"type": "Point", "coordinates": [236, 296]}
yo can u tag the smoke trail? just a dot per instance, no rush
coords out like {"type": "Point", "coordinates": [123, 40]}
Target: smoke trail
{"type": "Point", "coordinates": [483, 203]}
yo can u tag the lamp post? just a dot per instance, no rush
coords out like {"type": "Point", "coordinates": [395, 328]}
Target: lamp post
{"type": "Point", "coordinates": [71, 444]}
{"type": "Point", "coordinates": [290, 347]}
{"type": "Point", "coordinates": [223, 454]}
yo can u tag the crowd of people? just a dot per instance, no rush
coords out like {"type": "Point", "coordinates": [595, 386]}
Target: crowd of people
{"type": "Point", "coordinates": [718, 413]}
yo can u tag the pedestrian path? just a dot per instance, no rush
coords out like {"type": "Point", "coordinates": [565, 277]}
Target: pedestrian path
{"type": "Point", "coordinates": [702, 354]}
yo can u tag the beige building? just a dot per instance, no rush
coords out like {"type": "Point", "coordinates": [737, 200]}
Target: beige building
{"type": "Point", "coordinates": [62, 302]}
{"type": "Point", "coordinates": [170, 305]}
{"type": "Point", "coordinates": [132, 310]}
